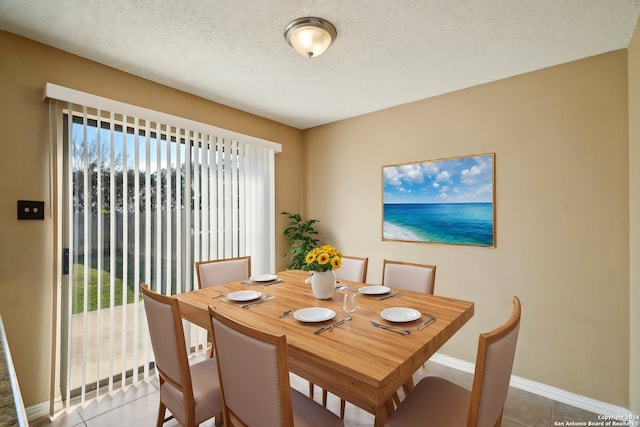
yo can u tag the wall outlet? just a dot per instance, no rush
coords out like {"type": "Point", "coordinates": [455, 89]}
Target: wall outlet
{"type": "Point", "coordinates": [29, 209]}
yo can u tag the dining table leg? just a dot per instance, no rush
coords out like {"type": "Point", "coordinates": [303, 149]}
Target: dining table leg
{"type": "Point", "coordinates": [382, 413]}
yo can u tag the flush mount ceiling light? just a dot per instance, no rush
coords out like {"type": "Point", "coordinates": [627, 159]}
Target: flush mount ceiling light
{"type": "Point", "coordinates": [309, 36]}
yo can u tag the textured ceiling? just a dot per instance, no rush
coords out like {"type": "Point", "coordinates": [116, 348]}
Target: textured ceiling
{"type": "Point", "coordinates": [387, 52]}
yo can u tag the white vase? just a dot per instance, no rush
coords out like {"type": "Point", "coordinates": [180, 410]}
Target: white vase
{"type": "Point", "coordinates": [323, 284]}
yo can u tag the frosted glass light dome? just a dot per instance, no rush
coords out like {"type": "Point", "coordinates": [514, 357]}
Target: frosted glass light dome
{"type": "Point", "coordinates": [310, 37]}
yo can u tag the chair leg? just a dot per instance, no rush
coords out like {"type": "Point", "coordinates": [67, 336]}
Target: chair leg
{"type": "Point", "coordinates": [161, 411]}
{"type": "Point", "coordinates": [396, 399]}
{"type": "Point", "coordinates": [342, 403]}
{"type": "Point", "coordinates": [209, 345]}
{"type": "Point", "coordinates": [219, 421]}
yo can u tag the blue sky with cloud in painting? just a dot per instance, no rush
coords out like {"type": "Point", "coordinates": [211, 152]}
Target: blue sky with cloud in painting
{"type": "Point", "coordinates": [458, 180]}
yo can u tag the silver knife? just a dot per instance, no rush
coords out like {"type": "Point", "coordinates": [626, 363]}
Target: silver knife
{"type": "Point", "coordinates": [269, 298]}
{"type": "Point", "coordinates": [390, 328]}
{"type": "Point", "coordinates": [326, 328]}
{"type": "Point", "coordinates": [431, 319]}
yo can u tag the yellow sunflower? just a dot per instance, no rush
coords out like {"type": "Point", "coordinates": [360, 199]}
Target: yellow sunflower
{"type": "Point", "coordinates": [323, 258]}
{"type": "Point", "coordinates": [336, 262]}
{"type": "Point", "coordinates": [311, 257]}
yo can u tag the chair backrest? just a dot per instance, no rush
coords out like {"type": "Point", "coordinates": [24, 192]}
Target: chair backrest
{"type": "Point", "coordinates": [219, 271]}
{"type": "Point", "coordinates": [496, 351]}
{"type": "Point", "coordinates": [353, 269]}
{"type": "Point", "coordinates": [167, 340]}
{"type": "Point", "coordinates": [409, 276]}
{"type": "Point", "coordinates": [253, 372]}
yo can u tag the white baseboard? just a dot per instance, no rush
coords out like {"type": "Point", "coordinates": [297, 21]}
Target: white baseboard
{"type": "Point", "coordinates": [40, 410]}
{"type": "Point", "coordinates": [540, 389]}
{"type": "Point", "coordinates": [36, 411]}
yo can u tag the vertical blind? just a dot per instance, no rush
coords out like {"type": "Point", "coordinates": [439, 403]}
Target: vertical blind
{"type": "Point", "coordinates": [145, 195]}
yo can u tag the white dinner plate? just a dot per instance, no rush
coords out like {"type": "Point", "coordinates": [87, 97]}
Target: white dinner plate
{"type": "Point", "coordinates": [400, 314]}
{"type": "Point", "coordinates": [314, 314]}
{"type": "Point", "coordinates": [263, 277]}
{"type": "Point", "coordinates": [244, 295]}
{"type": "Point", "coordinates": [374, 290]}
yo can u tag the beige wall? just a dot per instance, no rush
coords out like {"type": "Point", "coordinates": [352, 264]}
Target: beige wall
{"type": "Point", "coordinates": [560, 138]}
{"type": "Point", "coordinates": [634, 220]}
{"type": "Point", "coordinates": [26, 246]}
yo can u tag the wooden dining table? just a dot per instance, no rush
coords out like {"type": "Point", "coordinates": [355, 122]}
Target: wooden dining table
{"type": "Point", "coordinates": [356, 361]}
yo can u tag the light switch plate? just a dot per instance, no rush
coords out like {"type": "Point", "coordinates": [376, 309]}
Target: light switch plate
{"type": "Point", "coordinates": [29, 209]}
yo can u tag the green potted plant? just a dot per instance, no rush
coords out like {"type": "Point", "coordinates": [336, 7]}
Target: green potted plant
{"type": "Point", "coordinates": [302, 237]}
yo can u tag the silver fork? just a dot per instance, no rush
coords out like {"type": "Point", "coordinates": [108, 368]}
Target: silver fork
{"type": "Point", "coordinates": [389, 328]}
{"type": "Point", "coordinates": [265, 299]}
{"type": "Point", "coordinates": [394, 295]}
{"type": "Point", "coordinates": [335, 325]}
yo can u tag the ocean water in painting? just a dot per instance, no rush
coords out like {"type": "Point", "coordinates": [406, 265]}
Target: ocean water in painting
{"type": "Point", "coordinates": [458, 223]}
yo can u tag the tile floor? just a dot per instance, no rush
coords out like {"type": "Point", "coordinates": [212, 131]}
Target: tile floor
{"type": "Point", "coordinates": [137, 406]}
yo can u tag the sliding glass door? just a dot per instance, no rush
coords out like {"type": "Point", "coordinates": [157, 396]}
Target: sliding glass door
{"type": "Point", "coordinates": [143, 201]}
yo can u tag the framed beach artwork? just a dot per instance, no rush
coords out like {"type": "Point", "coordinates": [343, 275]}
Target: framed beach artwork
{"type": "Point", "coordinates": [449, 201]}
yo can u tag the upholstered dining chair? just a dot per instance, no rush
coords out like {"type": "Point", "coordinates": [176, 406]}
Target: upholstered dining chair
{"type": "Point", "coordinates": [254, 378]}
{"type": "Point", "coordinates": [219, 271]}
{"type": "Point", "coordinates": [353, 269]}
{"type": "Point", "coordinates": [409, 276]}
{"type": "Point", "coordinates": [439, 402]}
{"type": "Point", "coordinates": [190, 392]}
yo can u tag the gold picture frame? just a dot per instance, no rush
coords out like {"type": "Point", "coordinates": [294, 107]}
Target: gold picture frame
{"type": "Point", "coordinates": [449, 201]}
